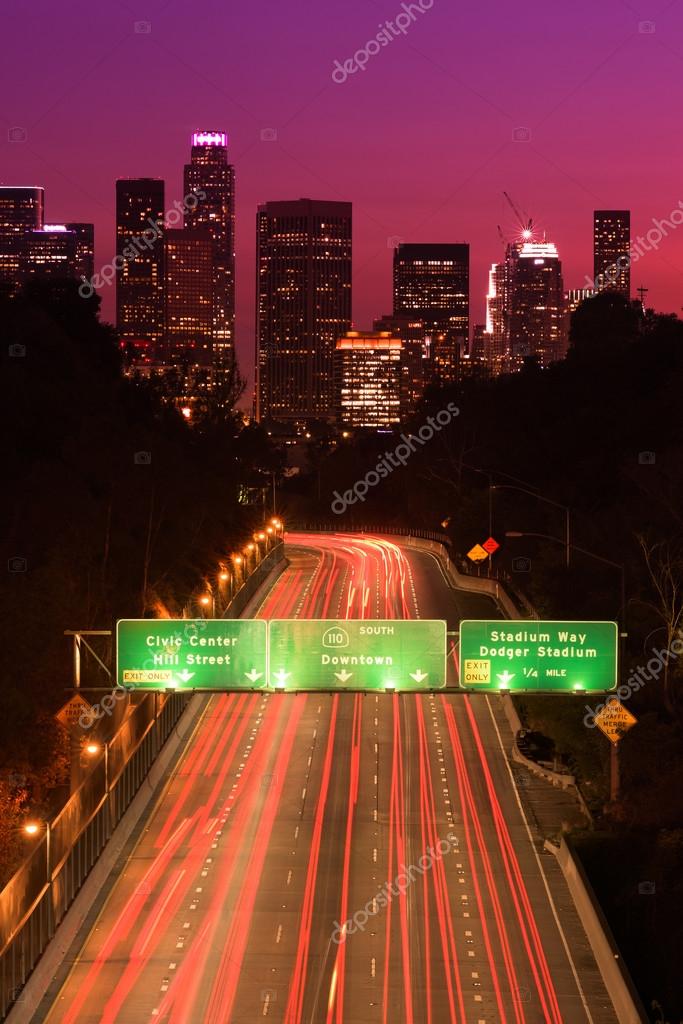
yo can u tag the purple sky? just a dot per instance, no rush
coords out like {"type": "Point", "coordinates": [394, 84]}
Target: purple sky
{"type": "Point", "coordinates": [421, 142]}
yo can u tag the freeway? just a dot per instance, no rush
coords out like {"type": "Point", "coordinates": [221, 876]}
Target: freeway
{"type": "Point", "coordinates": [338, 858]}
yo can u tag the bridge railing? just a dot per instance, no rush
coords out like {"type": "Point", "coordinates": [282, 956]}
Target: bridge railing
{"type": "Point", "coordinates": [37, 897]}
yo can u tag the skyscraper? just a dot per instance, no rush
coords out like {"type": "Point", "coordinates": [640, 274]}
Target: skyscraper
{"type": "Point", "coordinates": [189, 297]}
{"type": "Point", "coordinates": [415, 358]}
{"type": "Point", "coordinates": [139, 244]}
{"type": "Point", "coordinates": [497, 312]}
{"type": "Point", "coordinates": [50, 252]}
{"type": "Point", "coordinates": [432, 283]}
{"type": "Point", "coordinates": [21, 211]}
{"type": "Point", "coordinates": [85, 248]}
{"type": "Point", "coordinates": [537, 314]}
{"type": "Point", "coordinates": [368, 378]}
{"type": "Point", "coordinates": [611, 250]}
{"type": "Point", "coordinates": [303, 305]}
{"type": "Point", "coordinates": [212, 179]}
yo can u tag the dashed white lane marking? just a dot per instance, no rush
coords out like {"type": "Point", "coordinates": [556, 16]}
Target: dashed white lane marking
{"type": "Point", "coordinates": [279, 933]}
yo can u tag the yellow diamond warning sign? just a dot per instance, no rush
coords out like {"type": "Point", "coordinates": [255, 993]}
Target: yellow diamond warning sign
{"type": "Point", "coordinates": [477, 554]}
{"type": "Point", "coordinates": [70, 714]}
{"type": "Point", "coordinates": [614, 720]}
{"type": "Point", "coordinates": [476, 671]}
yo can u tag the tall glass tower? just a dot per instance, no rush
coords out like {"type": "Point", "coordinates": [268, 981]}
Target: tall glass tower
{"type": "Point", "coordinates": [212, 179]}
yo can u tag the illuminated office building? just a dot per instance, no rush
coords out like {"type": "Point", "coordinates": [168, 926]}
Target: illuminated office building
{"type": "Point", "coordinates": [538, 326]}
{"type": "Point", "coordinates": [50, 252]}
{"type": "Point", "coordinates": [432, 283]}
{"type": "Point", "coordinates": [303, 305]}
{"type": "Point", "coordinates": [416, 357]}
{"type": "Point", "coordinates": [85, 248]}
{"type": "Point", "coordinates": [211, 179]}
{"type": "Point", "coordinates": [611, 251]}
{"type": "Point", "coordinates": [189, 297]}
{"type": "Point", "coordinates": [139, 242]}
{"type": "Point", "coordinates": [369, 380]}
{"type": "Point", "coordinates": [21, 211]}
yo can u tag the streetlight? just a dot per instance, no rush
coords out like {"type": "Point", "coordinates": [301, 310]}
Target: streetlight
{"type": "Point", "coordinates": [93, 748]}
{"type": "Point", "coordinates": [208, 600]}
{"type": "Point", "coordinates": [239, 572]}
{"type": "Point", "coordinates": [548, 501]}
{"type": "Point", "coordinates": [32, 828]}
{"type": "Point", "coordinates": [582, 551]}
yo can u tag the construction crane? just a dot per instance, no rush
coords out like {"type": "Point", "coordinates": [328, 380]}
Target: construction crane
{"type": "Point", "coordinates": [525, 222]}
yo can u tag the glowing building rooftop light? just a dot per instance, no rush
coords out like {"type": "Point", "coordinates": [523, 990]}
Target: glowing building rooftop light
{"type": "Point", "coordinates": [539, 250]}
{"type": "Point", "coordinates": [55, 227]}
{"type": "Point", "coordinates": [209, 139]}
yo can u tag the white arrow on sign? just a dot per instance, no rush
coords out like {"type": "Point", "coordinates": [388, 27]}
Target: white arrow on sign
{"type": "Point", "coordinates": [506, 677]}
{"type": "Point", "coordinates": [281, 677]}
{"type": "Point", "coordinates": [419, 676]}
{"type": "Point", "coordinates": [253, 675]}
{"type": "Point", "coordinates": [343, 676]}
{"type": "Point", "coordinates": [185, 675]}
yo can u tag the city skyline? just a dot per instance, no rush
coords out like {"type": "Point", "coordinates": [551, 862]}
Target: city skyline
{"type": "Point", "coordinates": [343, 546]}
{"type": "Point", "coordinates": [583, 153]}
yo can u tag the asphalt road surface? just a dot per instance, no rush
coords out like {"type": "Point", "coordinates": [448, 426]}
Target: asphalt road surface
{"type": "Point", "coordinates": [339, 857]}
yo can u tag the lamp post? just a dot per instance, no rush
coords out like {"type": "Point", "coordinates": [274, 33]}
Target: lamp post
{"type": "Point", "coordinates": [548, 501]}
{"type": "Point", "coordinates": [239, 572]}
{"type": "Point", "coordinates": [209, 601]}
{"type": "Point", "coordinates": [32, 828]}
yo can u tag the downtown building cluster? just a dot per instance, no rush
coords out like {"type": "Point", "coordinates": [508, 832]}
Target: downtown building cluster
{"type": "Point", "coordinates": [174, 271]}
{"type": "Point", "coordinates": [31, 248]}
{"type": "Point", "coordinates": [175, 275]}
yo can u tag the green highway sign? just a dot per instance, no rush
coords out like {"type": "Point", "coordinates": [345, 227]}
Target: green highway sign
{"type": "Point", "coordinates": [191, 654]}
{"type": "Point", "coordinates": [544, 657]}
{"type": "Point", "coordinates": [357, 654]}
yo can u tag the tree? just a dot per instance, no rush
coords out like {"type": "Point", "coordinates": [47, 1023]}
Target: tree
{"type": "Point", "coordinates": [603, 326]}
{"type": "Point", "coordinates": [664, 562]}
